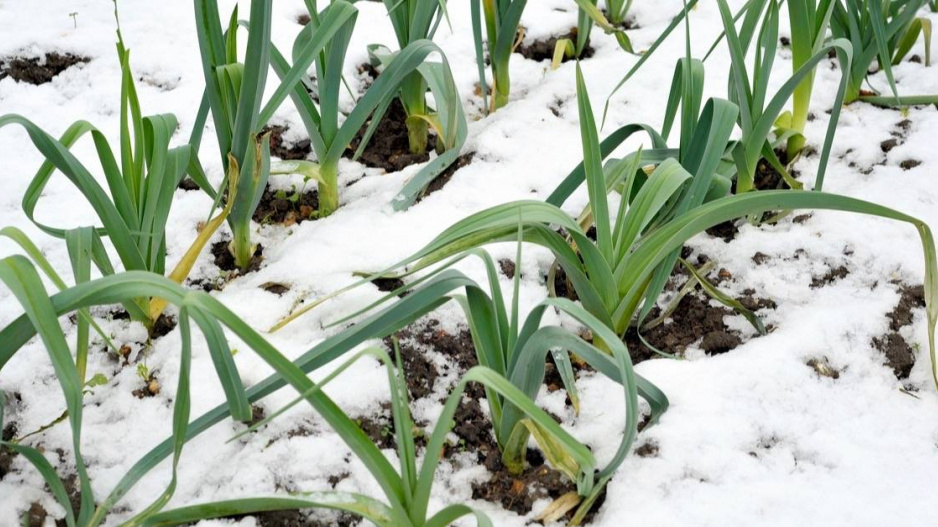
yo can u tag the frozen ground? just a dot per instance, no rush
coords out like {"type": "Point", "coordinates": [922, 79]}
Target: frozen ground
{"type": "Point", "coordinates": [753, 436]}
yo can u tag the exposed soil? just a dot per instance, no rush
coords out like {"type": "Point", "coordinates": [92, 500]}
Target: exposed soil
{"type": "Point", "coordinates": [765, 178]}
{"type": "Point", "coordinates": [287, 152]}
{"type": "Point", "coordinates": [540, 50]}
{"type": "Point", "coordinates": [832, 275]}
{"type": "Point", "coordinates": [188, 185]}
{"type": "Point", "coordinates": [562, 287]}
{"type": "Point", "coordinates": [389, 146]}
{"type": "Point", "coordinates": [6, 456]}
{"type": "Point", "coordinates": [225, 260]}
{"type": "Point", "coordinates": [296, 518]}
{"type": "Point", "coordinates": [695, 319]}
{"type": "Point", "coordinates": [36, 516]}
{"type": "Point", "coordinates": [900, 356]}
{"type": "Point", "coordinates": [444, 177]}
{"type": "Point", "coordinates": [150, 388]}
{"type": "Point", "coordinates": [760, 258]}
{"type": "Point", "coordinates": [726, 231]}
{"type": "Point", "coordinates": [287, 207]}
{"type": "Point", "coordinates": [162, 327]}
{"type": "Point", "coordinates": [909, 164]}
{"type": "Point", "coordinates": [389, 285]}
{"type": "Point", "coordinates": [379, 428]}
{"type": "Point", "coordinates": [647, 449]}
{"type": "Point", "coordinates": [517, 493]}
{"type": "Point", "coordinates": [888, 145]}
{"type": "Point", "coordinates": [38, 70]}
{"type": "Point", "coordinates": [421, 373]}
{"type": "Point", "coordinates": [275, 288]}
{"type": "Point", "coordinates": [474, 430]}
{"type": "Point", "coordinates": [552, 379]}
{"type": "Point", "coordinates": [507, 267]}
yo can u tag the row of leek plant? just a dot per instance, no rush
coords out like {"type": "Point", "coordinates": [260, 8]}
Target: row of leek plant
{"type": "Point", "coordinates": [235, 93]}
{"type": "Point", "coordinates": [134, 209]}
{"type": "Point", "coordinates": [662, 202]}
{"type": "Point", "coordinates": [511, 357]}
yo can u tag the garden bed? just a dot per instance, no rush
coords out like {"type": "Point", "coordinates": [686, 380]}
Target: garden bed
{"type": "Point", "coordinates": [835, 400]}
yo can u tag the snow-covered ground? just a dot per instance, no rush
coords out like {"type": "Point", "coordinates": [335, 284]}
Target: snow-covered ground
{"type": "Point", "coordinates": [753, 436]}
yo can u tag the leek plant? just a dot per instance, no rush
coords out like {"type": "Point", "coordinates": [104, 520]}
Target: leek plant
{"type": "Point", "coordinates": [407, 72]}
{"type": "Point", "coordinates": [613, 21]}
{"type": "Point", "coordinates": [809, 21]}
{"type": "Point", "coordinates": [618, 10]}
{"type": "Point", "coordinates": [41, 317]}
{"type": "Point", "coordinates": [234, 93]}
{"type": "Point", "coordinates": [573, 48]}
{"type": "Point", "coordinates": [502, 21]}
{"type": "Point", "coordinates": [406, 490]}
{"type": "Point", "coordinates": [619, 276]}
{"type": "Point", "coordinates": [517, 351]}
{"type": "Point", "coordinates": [414, 20]}
{"type": "Point", "coordinates": [758, 110]}
{"type": "Point", "coordinates": [882, 32]}
{"type": "Point", "coordinates": [134, 209]}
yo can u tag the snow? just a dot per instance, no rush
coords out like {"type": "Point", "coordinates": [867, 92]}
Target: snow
{"type": "Point", "coordinates": [753, 437]}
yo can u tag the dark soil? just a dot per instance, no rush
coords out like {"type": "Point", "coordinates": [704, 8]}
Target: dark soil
{"type": "Point", "coordinates": [552, 378]}
{"type": "Point", "coordinates": [188, 185]}
{"type": "Point", "coordinates": [150, 388]}
{"type": "Point", "coordinates": [647, 449]}
{"type": "Point", "coordinates": [6, 456]}
{"type": "Point", "coordinates": [419, 372]}
{"type": "Point", "coordinates": [297, 151]}
{"type": "Point", "coordinates": [162, 327]}
{"type": "Point", "coordinates": [389, 146]}
{"type": "Point", "coordinates": [832, 275]}
{"type": "Point", "coordinates": [760, 258]}
{"type": "Point", "coordinates": [441, 180]}
{"type": "Point", "coordinates": [36, 516]}
{"type": "Point", "coordinates": [507, 267]}
{"type": "Point", "coordinates": [473, 427]}
{"type": "Point", "coordinates": [38, 70]}
{"type": "Point", "coordinates": [474, 430]}
{"type": "Point", "coordinates": [380, 429]}
{"type": "Point", "coordinates": [540, 50]}
{"type": "Point", "coordinates": [296, 518]}
{"type": "Point", "coordinates": [517, 493]}
{"type": "Point", "coordinates": [695, 319]}
{"type": "Point", "coordinates": [726, 231]}
{"type": "Point", "coordinates": [909, 164]}
{"type": "Point", "coordinates": [286, 207]}
{"type": "Point", "coordinates": [225, 260]}
{"type": "Point", "coordinates": [389, 285]}
{"type": "Point", "coordinates": [275, 288]}
{"type": "Point", "coordinates": [765, 178]}
{"type": "Point", "coordinates": [900, 356]}
{"type": "Point", "coordinates": [562, 287]}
